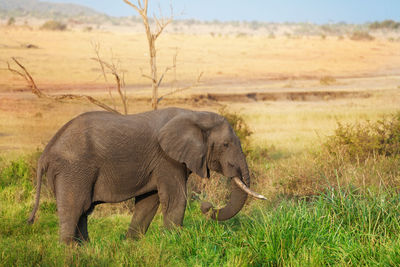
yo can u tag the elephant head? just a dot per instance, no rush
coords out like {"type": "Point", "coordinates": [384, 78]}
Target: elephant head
{"type": "Point", "coordinates": [205, 141]}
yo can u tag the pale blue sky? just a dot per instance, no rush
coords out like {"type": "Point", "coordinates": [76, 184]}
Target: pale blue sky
{"type": "Point", "coordinates": [317, 11]}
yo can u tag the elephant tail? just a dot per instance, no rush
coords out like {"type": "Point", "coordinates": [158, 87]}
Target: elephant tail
{"type": "Point", "coordinates": [39, 173]}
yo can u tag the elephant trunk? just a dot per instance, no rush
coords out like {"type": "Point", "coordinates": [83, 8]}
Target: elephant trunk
{"type": "Point", "coordinates": [237, 199]}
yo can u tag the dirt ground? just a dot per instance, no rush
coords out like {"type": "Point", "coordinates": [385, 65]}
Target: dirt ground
{"type": "Point", "coordinates": [291, 91]}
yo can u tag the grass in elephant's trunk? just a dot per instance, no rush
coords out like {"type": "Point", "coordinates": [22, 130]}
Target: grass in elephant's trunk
{"type": "Point", "coordinates": [235, 204]}
{"type": "Point", "coordinates": [237, 198]}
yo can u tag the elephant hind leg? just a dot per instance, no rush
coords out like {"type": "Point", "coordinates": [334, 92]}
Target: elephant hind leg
{"type": "Point", "coordinates": [145, 208]}
{"type": "Point", "coordinates": [73, 201]}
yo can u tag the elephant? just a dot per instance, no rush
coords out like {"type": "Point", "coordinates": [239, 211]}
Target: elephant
{"type": "Point", "coordinates": [103, 157]}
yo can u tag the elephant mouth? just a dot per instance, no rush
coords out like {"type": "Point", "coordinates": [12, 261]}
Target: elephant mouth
{"type": "Point", "coordinates": [247, 190]}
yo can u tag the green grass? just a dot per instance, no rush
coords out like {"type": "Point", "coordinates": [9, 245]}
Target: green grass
{"type": "Point", "coordinates": [341, 226]}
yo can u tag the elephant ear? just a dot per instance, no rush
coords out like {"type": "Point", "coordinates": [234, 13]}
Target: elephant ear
{"type": "Point", "coordinates": [184, 139]}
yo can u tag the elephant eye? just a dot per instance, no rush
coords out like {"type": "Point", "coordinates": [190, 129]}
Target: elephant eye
{"type": "Point", "coordinates": [226, 144]}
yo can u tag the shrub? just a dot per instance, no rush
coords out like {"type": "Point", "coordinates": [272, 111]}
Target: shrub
{"type": "Point", "coordinates": [11, 21]}
{"type": "Point", "coordinates": [361, 36]}
{"type": "Point", "coordinates": [386, 24]}
{"type": "Point", "coordinates": [88, 29]}
{"type": "Point", "coordinates": [241, 34]}
{"type": "Point", "coordinates": [53, 25]}
{"type": "Point", "coordinates": [327, 80]}
{"type": "Point", "coordinates": [362, 140]}
{"type": "Point", "coordinates": [240, 127]}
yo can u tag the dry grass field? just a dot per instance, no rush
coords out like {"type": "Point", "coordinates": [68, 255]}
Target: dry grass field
{"type": "Point", "coordinates": [63, 58]}
{"type": "Point", "coordinates": [233, 66]}
{"type": "Point", "coordinates": [323, 208]}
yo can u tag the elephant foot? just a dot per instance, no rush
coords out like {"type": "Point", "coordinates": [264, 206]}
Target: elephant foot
{"type": "Point", "coordinates": [133, 235]}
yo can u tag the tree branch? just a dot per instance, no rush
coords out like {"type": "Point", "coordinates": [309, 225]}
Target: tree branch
{"type": "Point", "coordinates": [138, 9]}
{"type": "Point", "coordinates": [161, 25]}
{"type": "Point", "coordinates": [96, 48]}
{"type": "Point", "coordinates": [162, 75]}
{"type": "Point", "coordinates": [146, 76]}
{"type": "Point", "coordinates": [27, 76]}
{"type": "Point", "coordinates": [182, 89]}
{"type": "Point", "coordinates": [173, 66]}
{"type": "Point", "coordinates": [35, 90]}
{"type": "Point", "coordinates": [114, 72]}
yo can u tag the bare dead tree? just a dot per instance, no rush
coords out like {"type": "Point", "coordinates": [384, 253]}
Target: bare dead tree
{"type": "Point", "coordinates": [161, 23]}
{"type": "Point", "coordinates": [142, 8]}
{"type": "Point", "coordinates": [39, 93]}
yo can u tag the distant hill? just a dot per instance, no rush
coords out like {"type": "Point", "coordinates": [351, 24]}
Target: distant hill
{"type": "Point", "coordinates": [44, 9]}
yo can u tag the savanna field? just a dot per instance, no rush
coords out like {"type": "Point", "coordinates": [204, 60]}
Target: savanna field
{"type": "Point", "coordinates": [318, 118]}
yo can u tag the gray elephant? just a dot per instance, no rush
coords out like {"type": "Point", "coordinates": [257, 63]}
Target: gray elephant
{"type": "Point", "coordinates": [101, 157]}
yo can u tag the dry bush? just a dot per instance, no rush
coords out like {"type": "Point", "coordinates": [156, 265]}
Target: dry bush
{"type": "Point", "coordinates": [327, 80]}
{"type": "Point", "coordinates": [240, 127]}
{"type": "Point", "coordinates": [364, 155]}
{"type": "Point", "coordinates": [241, 35]}
{"type": "Point", "coordinates": [386, 24]}
{"type": "Point", "coordinates": [309, 175]}
{"type": "Point", "coordinates": [53, 25]}
{"type": "Point", "coordinates": [360, 141]}
{"type": "Point", "coordinates": [11, 21]}
{"type": "Point", "coordinates": [361, 36]}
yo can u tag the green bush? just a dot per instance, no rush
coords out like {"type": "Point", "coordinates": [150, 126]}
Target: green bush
{"type": "Point", "coordinates": [53, 25]}
{"type": "Point", "coordinates": [360, 141]}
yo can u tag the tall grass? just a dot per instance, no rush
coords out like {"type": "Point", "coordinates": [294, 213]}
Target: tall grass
{"type": "Point", "coordinates": [343, 225]}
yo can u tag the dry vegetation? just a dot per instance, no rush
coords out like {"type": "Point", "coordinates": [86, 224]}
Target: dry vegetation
{"type": "Point", "coordinates": [286, 94]}
{"type": "Point", "coordinates": [62, 60]}
{"type": "Point", "coordinates": [231, 65]}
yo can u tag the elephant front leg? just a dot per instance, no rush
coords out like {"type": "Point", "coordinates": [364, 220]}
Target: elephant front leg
{"type": "Point", "coordinates": [173, 198]}
{"type": "Point", "coordinates": [145, 208]}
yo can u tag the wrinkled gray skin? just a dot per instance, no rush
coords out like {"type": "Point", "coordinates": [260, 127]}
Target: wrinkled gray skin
{"type": "Point", "coordinates": [102, 157]}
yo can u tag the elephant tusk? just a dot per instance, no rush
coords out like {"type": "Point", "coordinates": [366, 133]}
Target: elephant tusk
{"type": "Point", "coordinates": [247, 190]}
